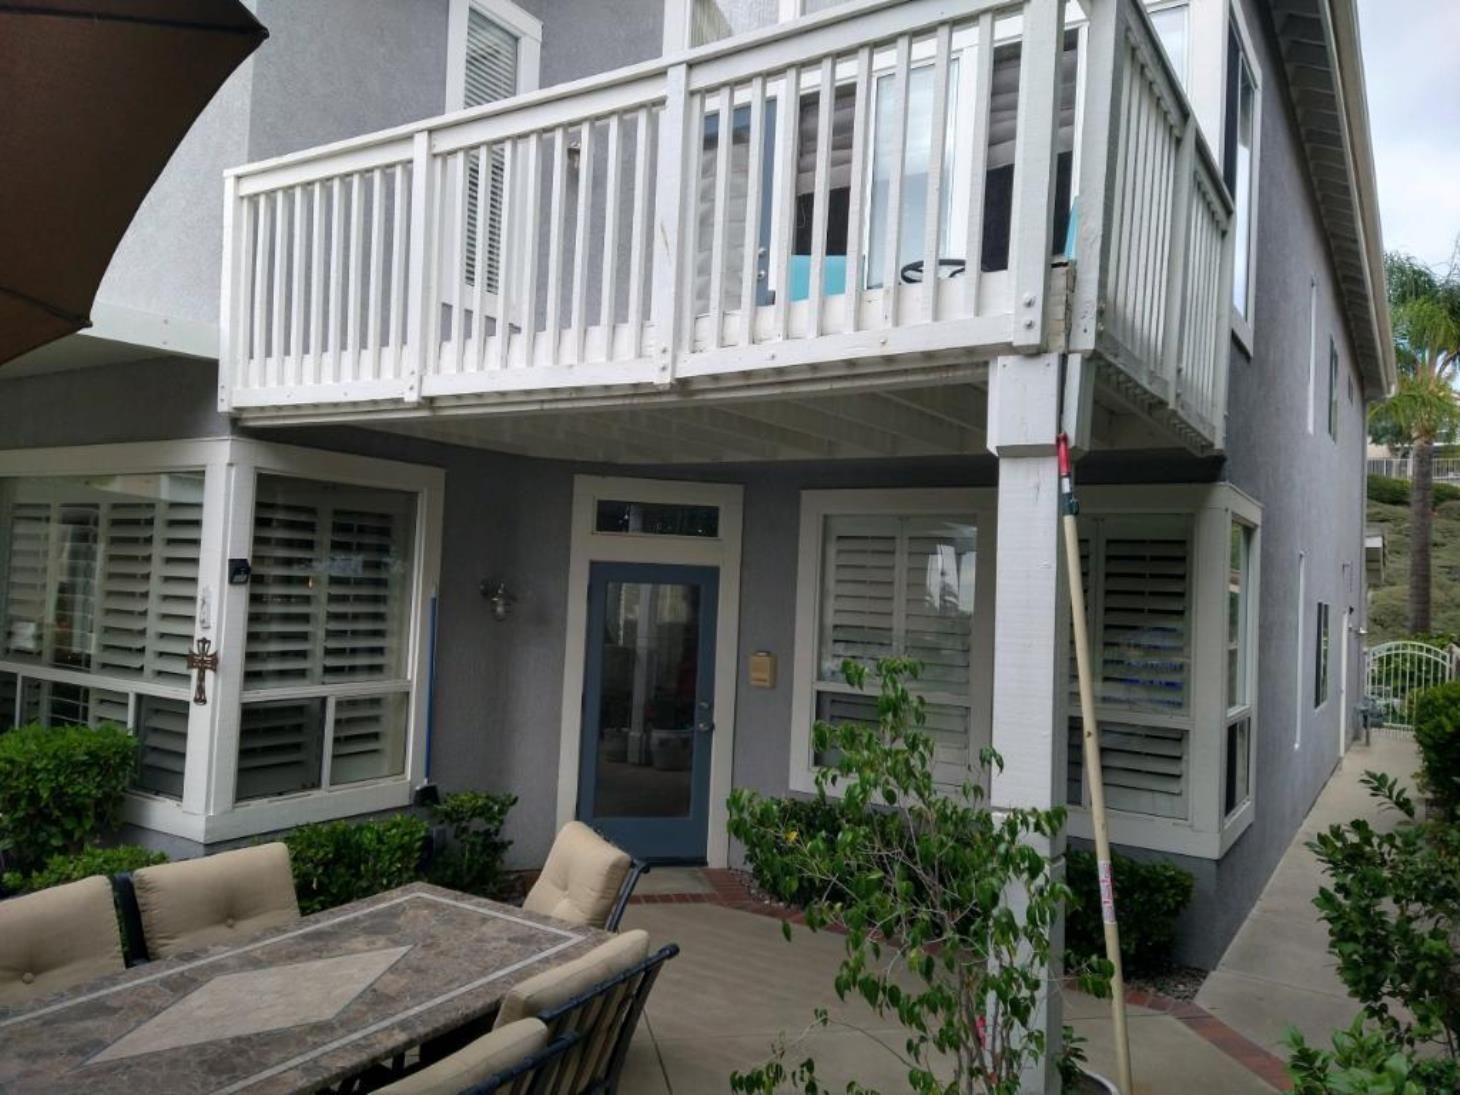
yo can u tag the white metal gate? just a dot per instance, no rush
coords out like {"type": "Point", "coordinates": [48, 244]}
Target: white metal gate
{"type": "Point", "coordinates": [1394, 673]}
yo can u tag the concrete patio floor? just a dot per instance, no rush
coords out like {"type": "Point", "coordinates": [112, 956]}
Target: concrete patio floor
{"type": "Point", "coordinates": [737, 985]}
{"type": "Point", "coordinates": [1277, 972]}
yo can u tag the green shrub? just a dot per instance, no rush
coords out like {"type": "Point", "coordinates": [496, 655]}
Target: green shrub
{"type": "Point", "coordinates": [1394, 492]}
{"type": "Point", "coordinates": [472, 862]}
{"type": "Point", "coordinates": [60, 869]}
{"type": "Point", "coordinates": [60, 787]}
{"type": "Point", "coordinates": [1437, 733]}
{"type": "Point", "coordinates": [1148, 899]}
{"type": "Point", "coordinates": [796, 820]}
{"type": "Point", "coordinates": [1446, 492]}
{"type": "Point", "coordinates": [1363, 1061]}
{"type": "Point", "coordinates": [1449, 509]}
{"type": "Point", "coordinates": [343, 861]}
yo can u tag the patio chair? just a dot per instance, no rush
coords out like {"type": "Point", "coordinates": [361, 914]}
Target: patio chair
{"type": "Point", "coordinates": [598, 998]}
{"type": "Point", "coordinates": [56, 938]}
{"type": "Point", "coordinates": [507, 1059]}
{"type": "Point", "coordinates": [224, 898]}
{"type": "Point", "coordinates": [584, 878]}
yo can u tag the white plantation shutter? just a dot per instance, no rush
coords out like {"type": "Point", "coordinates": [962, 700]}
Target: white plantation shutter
{"type": "Point", "coordinates": [77, 547]}
{"type": "Point", "coordinates": [369, 738]}
{"type": "Point", "coordinates": [491, 74]}
{"type": "Point", "coordinates": [162, 731]}
{"type": "Point", "coordinates": [126, 588]}
{"type": "Point", "coordinates": [358, 634]}
{"type": "Point", "coordinates": [901, 586]}
{"type": "Point", "coordinates": [282, 603]}
{"type": "Point", "coordinates": [1144, 767]}
{"type": "Point", "coordinates": [279, 745]}
{"type": "Point", "coordinates": [179, 537]}
{"type": "Point", "coordinates": [26, 576]}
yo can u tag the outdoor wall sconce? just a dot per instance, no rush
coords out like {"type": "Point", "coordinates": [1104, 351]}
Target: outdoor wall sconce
{"type": "Point", "coordinates": [499, 598]}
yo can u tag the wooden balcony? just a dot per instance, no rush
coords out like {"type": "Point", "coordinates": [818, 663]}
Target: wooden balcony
{"type": "Point", "coordinates": [662, 231]}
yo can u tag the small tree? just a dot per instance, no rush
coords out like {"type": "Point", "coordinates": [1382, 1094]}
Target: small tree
{"type": "Point", "coordinates": [932, 888]}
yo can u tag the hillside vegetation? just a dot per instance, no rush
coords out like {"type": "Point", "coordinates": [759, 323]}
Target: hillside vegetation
{"type": "Point", "coordinates": [1389, 507]}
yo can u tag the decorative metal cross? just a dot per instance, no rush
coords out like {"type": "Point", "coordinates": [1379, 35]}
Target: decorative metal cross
{"type": "Point", "coordinates": [202, 658]}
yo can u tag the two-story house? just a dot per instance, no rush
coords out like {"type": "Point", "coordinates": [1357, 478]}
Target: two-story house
{"type": "Point", "coordinates": [548, 396]}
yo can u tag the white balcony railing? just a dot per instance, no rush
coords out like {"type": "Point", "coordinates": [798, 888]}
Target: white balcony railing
{"type": "Point", "coordinates": [867, 187]}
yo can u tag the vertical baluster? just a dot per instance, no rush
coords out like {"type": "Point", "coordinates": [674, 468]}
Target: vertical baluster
{"type": "Point", "coordinates": [244, 329]}
{"type": "Point", "coordinates": [983, 93]}
{"type": "Point", "coordinates": [579, 329]}
{"type": "Point", "coordinates": [898, 145]}
{"type": "Point", "coordinates": [638, 230]}
{"type": "Point", "coordinates": [694, 156]}
{"type": "Point", "coordinates": [937, 140]}
{"type": "Point", "coordinates": [821, 190]}
{"type": "Point", "coordinates": [1123, 184]}
{"type": "Point", "coordinates": [507, 289]}
{"type": "Point", "coordinates": [555, 245]}
{"type": "Point", "coordinates": [260, 292]}
{"type": "Point", "coordinates": [783, 191]}
{"type": "Point", "coordinates": [755, 165]}
{"type": "Point", "coordinates": [296, 292]}
{"type": "Point", "coordinates": [1136, 276]}
{"type": "Point", "coordinates": [528, 239]}
{"type": "Point", "coordinates": [316, 282]}
{"type": "Point", "coordinates": [377, 260]}
{"type": "Point", "coordinates": [398, 269]}
{"type": "Point", "coordinates": [357, 232]}
{"type": "Point", "coordinates": [337, 262]}
{"type": "Point", "coordinates": [608, 287]}
{"type": "Point", "coordinates": [453, 229]}
{"type": "Point", "coordinates": [861, 151]}
{"type": "Point", "coordinates": [275, 370]}
{"type": "Point", "coordinates": [479, 268]}
{"type": "Point", "coordinates": [724, 138]}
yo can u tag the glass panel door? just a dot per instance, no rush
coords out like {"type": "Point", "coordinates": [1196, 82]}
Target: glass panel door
{"type": "Point", "coordinates": [648, 713]}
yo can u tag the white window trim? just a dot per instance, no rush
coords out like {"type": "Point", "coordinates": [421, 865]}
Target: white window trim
{"type": "Point", "coordinates": [589, 546]}
{"type": "Point", "coordinates": [207, 811]}
{"type": "Point", "coordinates": [1205, 833]}
{"type": "Point", "coordinates": [979, 505]}
{"type": "Point", "coordinates": [1312, 354]}
{"type": "Point", "coordinates": [526, 26]}
{"type": "Point", "coordinates": [1243, 326]}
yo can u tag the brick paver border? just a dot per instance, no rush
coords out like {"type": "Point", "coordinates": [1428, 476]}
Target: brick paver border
{"type": "Point", "coordinates": [728, 890]}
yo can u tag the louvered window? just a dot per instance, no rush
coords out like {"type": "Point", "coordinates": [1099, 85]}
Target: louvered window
{"type": "Point", "coordinates": [99, 575]}
{"type": "Point", "coordinates": [1138, 588]}
{"type": "Point", "coordinates": [491, 72]}
{"type": "Point", "coordinates": [901, 586]}
{"type": "Point", "coordinates": [329, 609]}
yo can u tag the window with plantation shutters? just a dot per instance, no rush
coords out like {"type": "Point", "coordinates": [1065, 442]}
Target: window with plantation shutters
{"type": "Point", "coordinates": [1138, 594]}
{"type": "Point", "coordinates": [329, 607]}
{"type": "Point", "coordinates": [901, 586]}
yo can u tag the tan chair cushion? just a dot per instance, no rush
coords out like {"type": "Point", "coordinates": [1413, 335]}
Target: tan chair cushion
{"type": "Point", "coordinates": [561, 983]}
{"type": "Point", "coordinates": [56, 938]}
{"type": "Point", "coordinates": [580, 879]}
{"type": "Point", "coordinates": [464, 1069]}
{"type": "Point", "coordinates": [224, 898]}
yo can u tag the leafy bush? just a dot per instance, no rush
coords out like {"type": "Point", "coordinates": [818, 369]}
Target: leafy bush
{"type": "Point", "coordinates": [1437, 733]}
{"type": "Point", "coordinates": [60, 787]}
{"type": "Point", "coordinates": [1392, 908]}
{"type": "Point", "coordinates": [472, 862]}
{"type": "Point", "coordinates": [1148, 899]}
{"type": "Point", "coordinates": [925, 881]}
{"type": "Point", "coordinates": [1362, 1062]}
{"type": "Point", "coordinates": [790, 821]}
{"type": "Point", "coordinates": [60, 869]}
{"type": "Point", "coordinates": [1395, 492]}
{"type": "Point", "coordinates": [342, 861]}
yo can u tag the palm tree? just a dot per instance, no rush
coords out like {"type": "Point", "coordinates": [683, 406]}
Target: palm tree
{"type": "Point", "coordinates": [1426, 313]}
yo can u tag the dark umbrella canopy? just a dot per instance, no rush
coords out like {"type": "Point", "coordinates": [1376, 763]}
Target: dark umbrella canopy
{"type": "Point", "coordinates": [94, 97]}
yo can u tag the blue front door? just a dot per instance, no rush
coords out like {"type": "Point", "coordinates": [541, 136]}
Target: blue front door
{"type": "Point", "coordinates": [648, 707]}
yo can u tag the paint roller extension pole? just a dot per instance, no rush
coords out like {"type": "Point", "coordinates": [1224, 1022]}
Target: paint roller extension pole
{"type": "Point", "coordinates": [1093, 770]}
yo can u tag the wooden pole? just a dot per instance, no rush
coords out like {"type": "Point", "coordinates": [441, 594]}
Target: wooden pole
{"type": "Point", "coordinates": [1093, 772]}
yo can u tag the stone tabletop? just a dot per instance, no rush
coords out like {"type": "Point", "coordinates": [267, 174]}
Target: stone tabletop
{"type": "Point", "coordinates": [296, 1009]}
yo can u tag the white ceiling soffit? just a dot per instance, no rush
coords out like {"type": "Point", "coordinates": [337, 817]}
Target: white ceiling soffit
{"type": "Point", "coordinates": [1319, 40]}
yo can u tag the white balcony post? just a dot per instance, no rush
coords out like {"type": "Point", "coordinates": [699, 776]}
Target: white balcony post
{"type": "Point", "coordinates": [1032, 222]}
{"type": "Point", "coordinates": [229, 320]}
{"type": "Point", "coordinates": [420, 303]}
{"type": "Point", "coordinates": [1222, 362]}
{"type": "Point", "coordinates": [667, 230]}
{"type": "Point", "coordinates": [1096, 188]}
{"type": "Point", "coordinates": [1177, 267]}
{"type": "Point", "coordinates": [1031, 658]}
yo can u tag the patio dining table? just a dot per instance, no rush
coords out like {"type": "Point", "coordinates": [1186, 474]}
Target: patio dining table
{"type": "Point", "coordinates": [292, 1010]}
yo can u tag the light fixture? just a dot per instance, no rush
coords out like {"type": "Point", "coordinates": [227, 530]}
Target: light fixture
{"type": "Point", "coordinates": [499, 597]}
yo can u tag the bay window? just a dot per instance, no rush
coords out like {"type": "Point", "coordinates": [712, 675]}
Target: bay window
{"type": "Point", "coordinates": [310, 574]}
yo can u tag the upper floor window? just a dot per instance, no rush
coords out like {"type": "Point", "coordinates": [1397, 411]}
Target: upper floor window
{"type": "Point", "coordinates": [712, 20]}
{"type": "Point", "coordinates": [1320, 657]}
{"type": "Point", "coordinates": [494, 51]}
{"type": "Point", "coordinates": [1332, 388]}
{"type": "Point", "coordinates": [1172, 22]}
{"type": "Point", "coordinates": [1239, 161]}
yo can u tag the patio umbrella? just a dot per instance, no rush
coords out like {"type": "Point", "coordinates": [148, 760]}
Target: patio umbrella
{"type": "Point", "coordinates": [97, 94]}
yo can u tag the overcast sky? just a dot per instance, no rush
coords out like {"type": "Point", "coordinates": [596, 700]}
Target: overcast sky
{"type": "Point", "coordinates": [1410, 63]}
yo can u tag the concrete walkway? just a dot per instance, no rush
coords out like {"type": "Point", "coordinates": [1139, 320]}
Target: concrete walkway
{"type": "Point", "coordinates": [737, 986]}
{"type": "Point", "coordinates": [1277, 972]}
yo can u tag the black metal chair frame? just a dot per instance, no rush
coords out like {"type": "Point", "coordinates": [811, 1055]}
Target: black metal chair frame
{"type": "Point", "coordinates": [624, 1018]}
{"type": "Point", "coordinates": [125, 895]}
{"type": "Point", "coordinates": [637, 867]}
